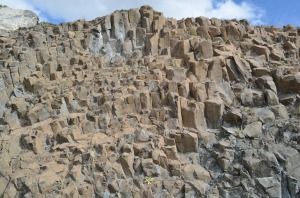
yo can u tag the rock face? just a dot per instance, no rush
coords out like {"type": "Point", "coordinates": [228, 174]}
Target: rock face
{"type": "Point", "coordinates": [12, 19]}
{"type": "Point", "coordinates": [134, 104]}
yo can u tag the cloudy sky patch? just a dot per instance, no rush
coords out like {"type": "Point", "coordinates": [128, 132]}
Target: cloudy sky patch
{"type": "Point", "coordinates": [55, 11]}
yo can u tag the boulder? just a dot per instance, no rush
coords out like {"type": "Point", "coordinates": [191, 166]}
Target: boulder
{"type": "Point", "coordinates": [265, 115]}
{"type": "Point", "coordinates": [271, 98]}
{"type": "Point", "coordinates": [253, 130]}
{"type": "Point", "coordinates": [233, 116]}
{"type": "Point", "coordinates": [252, 98]}
{"type": "Point", "coordinates": [12, 19]}
{"type": "Point", "coordinates": [206, 138]}
{"type": "Point", "coordinates": [280, 111]}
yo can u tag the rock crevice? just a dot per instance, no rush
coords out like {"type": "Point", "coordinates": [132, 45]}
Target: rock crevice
{"type": "Point", "coordinates": [135, 104]}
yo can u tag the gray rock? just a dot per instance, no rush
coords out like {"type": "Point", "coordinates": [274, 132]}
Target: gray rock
{"type": "Point", "coordinates": [252, 98]}
{"type": "Point", "coordinates": [271, 98]}
{"type": "Point", "coordinates": [265, 115]}
{"type": "Point", "coordinates": [3, 96]}
{"type": "Point", "coordinates": [270, 185]}
{"type": "Point", "coordinates": [141, 135]}
{"type": "Point", "coordinates": [12, 19]}
{"type": "Point", "coordinates": [214, 109]}
{"type": "Point", "coordinates": [253, 130]}
{"type": "Point", "coordinates": [261, 164]}
{"type": "Point", "coordinates": [280, 111]}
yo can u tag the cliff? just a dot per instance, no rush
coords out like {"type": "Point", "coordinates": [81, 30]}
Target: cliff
{"type": "Point", "coordinates": [135, 104]}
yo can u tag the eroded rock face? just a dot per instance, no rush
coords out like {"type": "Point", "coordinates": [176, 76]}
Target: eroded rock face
{"type": "Point", "coordinates": [134, 104]}
{"type": "Point", "coordinates": [12, 19]}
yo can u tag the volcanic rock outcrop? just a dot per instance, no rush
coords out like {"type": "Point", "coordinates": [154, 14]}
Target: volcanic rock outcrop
{"type": "Point", "coordinates": [12, 19]}
{"type": "Point", "coordinates": [135, 104]}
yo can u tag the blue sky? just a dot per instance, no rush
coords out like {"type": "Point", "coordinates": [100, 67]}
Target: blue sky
{"type": "Point", "coordinates": [258, 12]}
{"type": "Point", "coordinates": [278, 12]}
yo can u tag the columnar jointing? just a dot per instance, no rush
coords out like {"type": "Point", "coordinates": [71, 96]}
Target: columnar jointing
{"type": "Point", "coordinates": [134, 104]}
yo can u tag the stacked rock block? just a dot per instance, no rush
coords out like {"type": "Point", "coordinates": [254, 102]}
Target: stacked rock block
{"type": "Point", "coordinates": [135, 104]}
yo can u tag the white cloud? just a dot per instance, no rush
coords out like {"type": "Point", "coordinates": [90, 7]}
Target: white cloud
{"type": "Point", "coordinates": [22, 4]}
{"type": "Point", "coordinates": [18, 4]}
{"type": "Point", "coordinates": [71, 10]}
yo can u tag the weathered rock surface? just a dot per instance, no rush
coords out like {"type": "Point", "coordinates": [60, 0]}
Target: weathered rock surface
{"type": "Point", "coordinates": [12, 19]}
{"type": "Point", "coordinates": [134, 104]}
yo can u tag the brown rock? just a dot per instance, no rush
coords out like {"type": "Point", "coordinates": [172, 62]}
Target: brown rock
{"type": "Point", "coordinates": [214, 109]}
{"type": "Point", "coordinates": [266, 82]}
{"type": "Point", "coordinates": [280, 111]}
{"type": "Point", "coordinates": [48, 181]}
{"type": "Point", "coordinates": [252, 98]}
{"type": "Point", "coordinates": [206, 138]}
{"type": "Point", "coordinates": [149, 168]}
{"type": "Point", "coordinates": [214, 31]}
{"type": "Point", "coordinates": [96, 108]}
{"type": "Point", "coordinates": [200, 69]}
{"type": "Point", "coordinates": [233, 116]}
{"type": "Point", "coordinates": [289, 45]}
{"type": "Point", "coordinates": [182, 47]}
{"type": "Point", "coordinates": [205, 49]}
{"type": "Point", "coordinates": [203, 32]}
{"type": "Point", "coordinates": [187, 142]}
{"type": "Point", "coordinates": [152, 44]}
{"type": "Point", "coordinates": [290, 83]}
{"type": "Point", "coordinates": [171, 152]}
{"type": "Point", "coordinates": [127, 160]}
{"type": "Point", "coordinates": [198, 91]}
{"type": "Point", "coordinates": [194, 172]}
{"type": "Point", "coordinates": [195, 188]}
{"type": "Point", "coordinates": [160, 158]}
{"type": "Point", "coordinates": [243, 68]}
{"type": "Point", "coordinates": [203, 21]}
{"type": "Point", "coordinates": [215, 71]}
{"type": "Point", "coordinates": [261, 50]}
{"type": "Point", "coordinates": [193, 115]}
{"type": "Point", "coordinates": [175, 74]}
{"type": "Point", "coordinates": [38, 113]}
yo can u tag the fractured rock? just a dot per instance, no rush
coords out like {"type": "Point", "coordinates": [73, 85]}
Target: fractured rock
{"type": "Point", "coordinates": [134, 104]}
{"type": "Point", "coordinates": [214, 109]}
{"type": "Point", "coordinates": [193, 116]}
{"type": "Point", "coordinates": [270, 185]}
{"type": "Point", "coordinates": [253, 130]}
{"type": "Point", "coordinates": [193, 172]}
{"type": "Point", "coordinates": [12, 19]}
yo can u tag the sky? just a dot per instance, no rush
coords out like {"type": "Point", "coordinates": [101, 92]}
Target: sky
{"type": "Point", "coordinates": [258, 12]}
